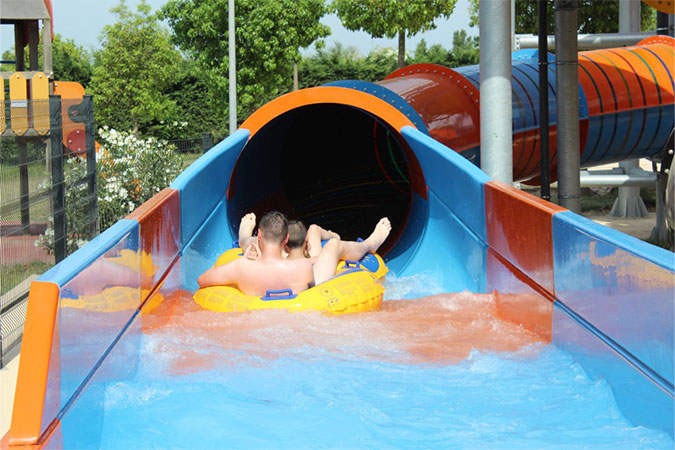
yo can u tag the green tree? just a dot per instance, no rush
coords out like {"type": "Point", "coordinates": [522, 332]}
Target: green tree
{"type": "Point", "coordinates": [594, 16]}
{"type": "Point", "coordinates": [269, 34]}
{"type": "Point", "coordinates": [70, 62]}
{"type": "Point", "coordinates": [465, 51]}
{"type": "Point", "coordinates": [344, 63]}
{"type": "Point", "coordinates": [196, 110]}
{"type": "Point", "coordinates": [390, 18]}
{"type": "Point", "coordinates": [435, 54]}
{"type": "Point", "coordinates": [135, 66]}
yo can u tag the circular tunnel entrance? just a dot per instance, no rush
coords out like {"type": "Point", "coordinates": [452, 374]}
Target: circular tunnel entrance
{"type": "Point", "coordinates": [331, 164]}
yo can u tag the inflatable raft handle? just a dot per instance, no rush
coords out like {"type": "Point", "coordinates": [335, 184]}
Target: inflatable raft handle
{"type": "Point", "coordinates": [349, 264]}
{"type": "Point", "coordinates": [278, 294]}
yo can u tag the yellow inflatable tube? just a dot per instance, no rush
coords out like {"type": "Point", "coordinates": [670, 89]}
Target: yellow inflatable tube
{"type": "Point", "coordinates": [354, 289]}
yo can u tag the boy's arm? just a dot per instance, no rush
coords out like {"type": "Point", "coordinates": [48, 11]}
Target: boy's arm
{"type": "Point", "coordinates": [316, 234]}
{"type": "Point", "coordinates": [219, 275]}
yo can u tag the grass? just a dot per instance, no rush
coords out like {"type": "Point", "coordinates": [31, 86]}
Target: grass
{"type": "Point", "coordinates": [189, 158]}
{"type": "Point", "coordinates": [10, 202]}
{"type": "Point", "coordinates": [13, 274]}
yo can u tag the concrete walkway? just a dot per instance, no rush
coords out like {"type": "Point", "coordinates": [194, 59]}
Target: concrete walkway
{"type": "Point", "coordinates": [7, 385]}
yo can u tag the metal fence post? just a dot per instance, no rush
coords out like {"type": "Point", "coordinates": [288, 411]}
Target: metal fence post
{"type": "Point", "coordinates": [90, 145]}
{"type": "Point", "coordinates": [23, 185]}
{"type": "Point", "coordinates": [58, 181]}
{"type": "Point", "coordinates": [207, 142]}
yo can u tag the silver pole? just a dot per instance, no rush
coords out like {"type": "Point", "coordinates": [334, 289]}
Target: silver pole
{"type": "Point", "coordinates": [232, 63]}
{"type": "Point", "coordinates": [629, 203]}
{"type": "Point", "coordinates": [567, 106]}
{"type": "Point", "coordinates": [496, 135]}
{"type": "Point", "coordinates": [587, 41]}
{"type": "Point", "coordinates": [513, 25]}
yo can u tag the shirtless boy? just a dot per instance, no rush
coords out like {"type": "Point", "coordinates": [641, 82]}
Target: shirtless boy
{"type": "Point", "coordinates": [272, 271]}
{"type": "Point", "coordinates": [304, 243]}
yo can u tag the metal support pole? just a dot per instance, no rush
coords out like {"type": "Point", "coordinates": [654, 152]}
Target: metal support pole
{"type": "Point", "coordinates": [90, 147]}
{"type": "Point", "coordinates": [496, 135]}
{"type": "Point", "coordinates": [513, 25]}
{"type": "Point", "coordinates": [58, 181]}
{"type": "Point", "coordinates": [629, 203]}
{"type": "Point", "coordinates": [587, 41]}
{"type": "Point", "coordinates": [664, 231]}
{"type": "Point", "coordinates": [207, 142]}
{"type": "Point", "coordinates": [545, 169]}
{"type": "Point", "coordinates": [23, 185]}
{"type": "Point", "coordinates": [567, 86]}
{"type": "Point", "coordinates": [661, 23]}
{"type": "Point", "coordinates": [232, 65]}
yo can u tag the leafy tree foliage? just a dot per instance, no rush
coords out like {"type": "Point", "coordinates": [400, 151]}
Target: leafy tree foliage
{"type": "Point", "coordinates": [197, 111]}
{"type": "Point", "coordinates": [390, 18]}
{"type": "Point", "coordinates": [133, 70]}
{"type": "Point", "coordinates": [269, 34]}
{"type": "Point", "coordinates": [70, 62]}
{"type": "Point", "coordinates": [594, 16]}
{"type": "Point", "coordinates": [465, 51]}
{"type": "Point", "coordinates": [344, 63]}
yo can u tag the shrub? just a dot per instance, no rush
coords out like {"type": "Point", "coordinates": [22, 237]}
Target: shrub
{"type": "Point", "coordinates": [129, 171]}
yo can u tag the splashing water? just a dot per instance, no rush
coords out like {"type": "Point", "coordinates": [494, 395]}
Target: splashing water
{"type": "Point", "coordinates": [436, 372]}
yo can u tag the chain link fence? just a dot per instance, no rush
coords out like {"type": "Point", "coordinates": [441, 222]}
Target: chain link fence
{"type": "Point", "coordinates": [33, 211]}
{"type": "Point", "coordinates": [49, 195]}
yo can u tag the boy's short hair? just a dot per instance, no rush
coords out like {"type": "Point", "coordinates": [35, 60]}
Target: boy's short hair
{"type": "Point", "coordinates": [274, 227]}
{"type": "Point", "coordinates": [296, 234]}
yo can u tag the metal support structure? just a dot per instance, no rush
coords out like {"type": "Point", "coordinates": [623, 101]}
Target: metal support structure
{"type": "Point", "coordinates": [513, 25]}
{"type": "Point", "coordinates": [207, 142]}
{"type": "Point", "coordinates": [58, 181]}
{"type": "Point", "coordinates": [617, 178]}
{"type": "Point", "coordinates": [90, 147]}
{"type": "Point", "coordinates": [232, 67]}
{"type": "Point", "coordinates": [587, 41]}
{"type": "Point", "coordinates": [662, 24]}
{"type": "Point", "coordinates": [496, 135]}
{"type": "Point", "coordinates": [545, 169]}
{"type": "Point", "coordinates": [23, 185]}
{"type": "Point", "coordinates": [664, 231]}
{"type": "Point", "coordinates": [567, 87]}
{"type": "Point", "coordinates": [629, 203]}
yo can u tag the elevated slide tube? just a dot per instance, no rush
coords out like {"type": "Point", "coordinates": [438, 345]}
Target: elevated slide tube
{"type": "Point", "coordinates": [345, 154]}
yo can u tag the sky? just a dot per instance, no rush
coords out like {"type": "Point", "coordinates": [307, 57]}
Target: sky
{"type": "Point", "coordinates": [83, 20]}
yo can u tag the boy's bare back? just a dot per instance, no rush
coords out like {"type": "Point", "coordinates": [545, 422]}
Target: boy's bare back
{"type": "Point", "coordinates": [256, 277]}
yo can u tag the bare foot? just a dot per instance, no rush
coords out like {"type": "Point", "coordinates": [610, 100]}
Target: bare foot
{"type": "Point", "coordinates": [246, 227]}
{"type": "Point", "coordinates": [379, 234]}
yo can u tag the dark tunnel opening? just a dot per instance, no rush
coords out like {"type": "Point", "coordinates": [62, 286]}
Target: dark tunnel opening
{"type": "Point", "coordinates": [330, 164]}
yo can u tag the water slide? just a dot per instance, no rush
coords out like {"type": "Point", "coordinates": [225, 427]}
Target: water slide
{"type": "Point", "coordinates": [345, 154]}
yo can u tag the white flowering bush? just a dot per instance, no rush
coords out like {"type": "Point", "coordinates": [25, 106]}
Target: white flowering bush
{"type": "Point", "coordinates": [129, 170]}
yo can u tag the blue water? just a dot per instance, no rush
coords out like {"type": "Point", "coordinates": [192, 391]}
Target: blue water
{"type": "Point", "coordinates": [400, 378]}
